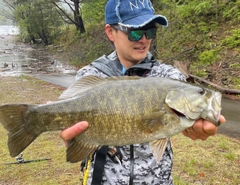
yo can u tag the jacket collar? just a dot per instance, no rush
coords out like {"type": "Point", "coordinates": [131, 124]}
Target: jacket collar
{"type": "Point", "coordinates": [111, 66]}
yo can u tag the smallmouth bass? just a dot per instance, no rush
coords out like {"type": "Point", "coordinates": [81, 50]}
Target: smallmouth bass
{"type": "Point", "coordinates": [119, 110]}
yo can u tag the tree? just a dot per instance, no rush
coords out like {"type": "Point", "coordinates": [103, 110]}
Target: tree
{"type": "Point", "coordinates": [93, 11]}
{"type": "Point", "coordinates": [38, 19]}
{"type": "Point", "coordinates": [74, 6]}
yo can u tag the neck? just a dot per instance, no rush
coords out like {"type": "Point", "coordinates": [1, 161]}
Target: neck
{"type": "Point", "coordinates": [127, 64]}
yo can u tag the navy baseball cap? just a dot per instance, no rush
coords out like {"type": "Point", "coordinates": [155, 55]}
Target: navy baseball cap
{"type": "Point", "coordinates": [132, 13]}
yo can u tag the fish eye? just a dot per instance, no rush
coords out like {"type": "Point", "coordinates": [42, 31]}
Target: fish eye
{"type": "Point", "coordinates": [201, 91]}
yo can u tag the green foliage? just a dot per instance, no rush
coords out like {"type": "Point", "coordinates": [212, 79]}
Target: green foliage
{"type": "Point", "coordinates": [235, 65]}
{"type": "Point", "coordinates": [83, 49]}
{"type": "Point", "coordinates": [232, 12]}
{"type": "Point", "coordinates": [236, 82]}
{"type": "Point", "coordinates": [204, 8]}
{"type": "Point", "coordinates": [93, 11]}
{"type": "Point", "coordinates": [38, 19]}
{"type": "Point", "coordinates": [233, 40]}
{"type": "Point", "coordinates": [191, 23]}
{"type": "Point", "coordinates": [208, 56]}
{"type": "Point", "coordinates": [201, 10]}
{"type": "Point", "coordinates": [185, 11]}
{"type": "Point", "coordinates": [229, 156]}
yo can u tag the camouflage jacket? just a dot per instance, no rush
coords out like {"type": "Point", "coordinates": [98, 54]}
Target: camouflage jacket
{"type": "Point", "coordinates": [146, 170]}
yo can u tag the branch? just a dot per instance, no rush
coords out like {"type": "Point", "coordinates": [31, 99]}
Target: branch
{"type": "Point", "coordinates": [64, 13]}
{"type": "Point", "coordinates": [10, 6]}
{"type": "Point", "coordinates": [183, 67]}
{"type": "Point", "coordinates": [218, 87]}
{"type": "Point", "coordinates": [69, 5]}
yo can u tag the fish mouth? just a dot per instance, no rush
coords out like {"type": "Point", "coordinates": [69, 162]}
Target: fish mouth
{"type": "Point", "coordinates": [212, 116]}
{"type": "Point", "coordinates": [177, 113]}
{"type": "Point", "coordinates": [184, 120]}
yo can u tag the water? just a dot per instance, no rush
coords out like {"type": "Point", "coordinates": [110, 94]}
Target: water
{"type": "Point", "coordinates": [8, 30]}
{"type": "Point", "coordinates": [12, 55]}
{"type": "Point", "coordinates": [18, 58]}
{"type": "Point", "coordinates": [231, 111]}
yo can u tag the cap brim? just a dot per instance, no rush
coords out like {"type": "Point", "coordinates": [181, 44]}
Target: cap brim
{"type": "Point", "coordinates": [143, 20]}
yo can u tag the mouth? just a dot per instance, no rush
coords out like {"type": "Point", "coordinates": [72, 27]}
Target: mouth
{"type": "Point", "coordinates": [215, 120]}
{"type": "Point", "coordinates": [143, 48]}
{"type": "Point", "coordinates": [178, 114]}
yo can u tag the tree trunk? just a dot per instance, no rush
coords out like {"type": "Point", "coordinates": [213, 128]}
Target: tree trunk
{"type": "Point", "coordinates": [77, 17]}
{"type": "Point", "coordinates": [183, 67]}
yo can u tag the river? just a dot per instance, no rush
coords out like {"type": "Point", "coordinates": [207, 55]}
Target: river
{"type": "Point", "coordinates": [20, 58]}
{"type": "Point", "coordinates": [231, 111]}
{"type": "Point", "coordinates": [8, 30]}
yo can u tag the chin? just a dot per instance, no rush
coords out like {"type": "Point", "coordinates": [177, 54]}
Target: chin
{"type": "Point", "coordinates": [140, 57]}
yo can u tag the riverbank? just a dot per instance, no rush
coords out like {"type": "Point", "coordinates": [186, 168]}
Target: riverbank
{"type": "Point", "coordinates": [18, 58]}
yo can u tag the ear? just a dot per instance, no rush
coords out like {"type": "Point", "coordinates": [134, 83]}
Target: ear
{"type": "Point", "coordinates": [110, 32]}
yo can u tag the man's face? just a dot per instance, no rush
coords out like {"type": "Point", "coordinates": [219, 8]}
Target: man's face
{"type": "Point", "coordinates": [130, 52]}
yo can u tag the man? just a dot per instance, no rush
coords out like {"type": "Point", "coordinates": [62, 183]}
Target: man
{"type": "Point", "coordinates": [131, 26]}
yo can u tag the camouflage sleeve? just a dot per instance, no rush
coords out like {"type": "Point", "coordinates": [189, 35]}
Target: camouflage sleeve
{"type": "Point", "coordinates": [167, 71]}
{"type": "Point", "coordinates": [89, 70]}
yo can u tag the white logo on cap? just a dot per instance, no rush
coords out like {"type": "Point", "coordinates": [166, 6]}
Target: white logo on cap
{"type": "Point", "coordinates": [136, 4]}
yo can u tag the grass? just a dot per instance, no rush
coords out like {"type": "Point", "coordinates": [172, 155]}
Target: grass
{"type": "Point", "coordinates": [215, 161]}
{"type": "Point", "coordinates": [25, 89]}
{"type": "Point", "coordinates": [211, 162]}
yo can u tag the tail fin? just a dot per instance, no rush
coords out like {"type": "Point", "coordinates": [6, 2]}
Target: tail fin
{"type": "Point", "coordinates": [12, 118]}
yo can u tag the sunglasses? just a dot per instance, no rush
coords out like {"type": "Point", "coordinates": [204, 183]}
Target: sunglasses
{"type": "Point", "coordinates": [136, 35]}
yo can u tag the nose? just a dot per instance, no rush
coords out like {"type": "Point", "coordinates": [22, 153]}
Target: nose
{"type": "Point", "coordinates": [143, 39]}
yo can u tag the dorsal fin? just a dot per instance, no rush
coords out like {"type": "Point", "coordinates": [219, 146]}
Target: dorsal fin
{"type": "Point", "coordinates": [87, 82]}
{"type": "Point", "coordinates": [79, 86]}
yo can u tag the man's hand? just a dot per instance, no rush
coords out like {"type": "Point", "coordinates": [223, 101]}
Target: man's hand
{"type": "Point", "coordinates": [202, 129]}
{"type": "Point", "coordinates": [73, 131]}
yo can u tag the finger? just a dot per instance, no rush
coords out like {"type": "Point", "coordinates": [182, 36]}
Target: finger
{"type": "Point", "coordinates": [209, 128]}
{"type": "Point", "coordinates": [73, 131]}
{"type": "Point", "coordinates": [190, 133]}
{"type": "Point", "coordinates": [222, 119]}
{"type": "Point", "coordinates": [202, 129]}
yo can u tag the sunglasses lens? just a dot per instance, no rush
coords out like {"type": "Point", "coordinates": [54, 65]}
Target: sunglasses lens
{"type": "Point", "coordinates": [135, 35]}
{"type": "Point", "coordinates": [151, 33]}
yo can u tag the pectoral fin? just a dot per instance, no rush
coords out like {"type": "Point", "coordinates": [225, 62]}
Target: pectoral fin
{"type": "Point", "coordinates": [78, 151]}
{"type": "Point", "coordinates": [158, 148]}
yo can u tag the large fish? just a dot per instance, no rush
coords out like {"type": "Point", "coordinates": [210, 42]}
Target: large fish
{"type": "Point", "coordinates": [119, 110]}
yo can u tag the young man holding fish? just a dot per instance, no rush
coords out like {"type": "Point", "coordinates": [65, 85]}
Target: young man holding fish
{"type": "Point", "coordinates": [131, 26]}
